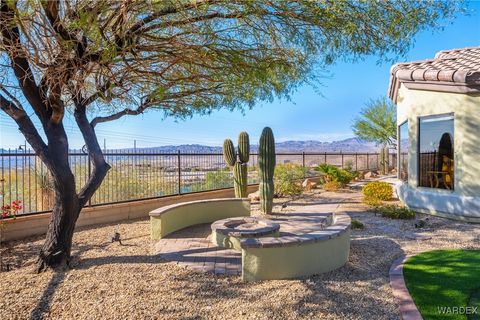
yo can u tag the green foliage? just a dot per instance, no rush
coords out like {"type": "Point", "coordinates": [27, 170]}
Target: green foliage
{"type": "Point", "coordinates": [377, 122]}
{"type": "Point", "coordinates": [287, 179]}
{"type": "Point", "coordinates": [377, 191]}
{"type": "Point", "coordinates": [215, 180]}
{"type": "Point", "coordinates": [443, 278]}
{"type": "Point", "coordinates": [357, 224]}
{"type": "Point", "coordinates": [278, 51]}
{"type": "Point", "coordinates": [395, 212]}
{"type": "Point", "coordinates": [266, 166]}
{"type": "Point", "coordinates": [331, 173]}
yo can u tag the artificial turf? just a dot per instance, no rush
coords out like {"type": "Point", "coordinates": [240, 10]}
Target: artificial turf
{"type": "Point", "coordinates": [443, 283]}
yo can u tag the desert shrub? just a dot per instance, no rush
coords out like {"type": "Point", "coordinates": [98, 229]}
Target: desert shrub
{"type": "Point", "coordinates": [334, 174]}
{"type": "Point", "coordinates": [395, 212]}
{"type": "Point", "coordinates": [287, 179]}
{"type": "Point", "coordinates": [215, 180]}
{"type": "Point", "coordinates": [332, 185]}
{"type": "Point", "coordinates": [375, 192]}
{"type": "Point", "coordinates": [348, 166]}
{"type": "Point", "coordinates": [357, 224]}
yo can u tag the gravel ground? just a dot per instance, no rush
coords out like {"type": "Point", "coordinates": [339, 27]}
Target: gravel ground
{"type": "Point", "coordinates": [110, 281]}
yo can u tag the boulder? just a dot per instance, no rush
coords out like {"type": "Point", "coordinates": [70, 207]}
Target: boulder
{"type": "Point", "coordinates": [309, 184]}
{"type": "Point", "coordinates": [370, 175]}
{"type": "Point", "coordinates": [255, 196]}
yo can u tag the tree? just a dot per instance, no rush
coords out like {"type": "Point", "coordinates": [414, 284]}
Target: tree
{"type": "Point", "coordinates": [101, 60]}
{"type": "Point", "coordinates": [378, 123]}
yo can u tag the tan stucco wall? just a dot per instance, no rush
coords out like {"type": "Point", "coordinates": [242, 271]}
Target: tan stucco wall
{"type": "Point", "coordinates": [187, 214]}
{"type": "Point", "coordinates": [295, 261]}
{"type": "Point", "coordinates": [27, 226]}
{"type": "Point", "coordinates": [412, 104]}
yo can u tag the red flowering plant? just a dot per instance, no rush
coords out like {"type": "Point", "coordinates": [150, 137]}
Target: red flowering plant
{"type": "Point", "coordinates": [11, 210]}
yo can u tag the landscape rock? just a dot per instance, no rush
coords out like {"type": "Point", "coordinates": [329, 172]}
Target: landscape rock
{"type": "Point", "coordinates": [309, 184]}
{"type": "Point", "coordinates": [369, 175]}
{"type": "Point", "coordinates": [255, 196]}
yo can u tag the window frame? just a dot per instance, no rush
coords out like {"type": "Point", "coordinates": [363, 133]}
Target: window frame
{"type": "Point", "coordinates": [419, 122]}
{"type": "Point", "coordinates": [399, 150]}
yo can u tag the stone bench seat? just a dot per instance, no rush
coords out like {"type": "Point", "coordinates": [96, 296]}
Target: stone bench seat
{"type": "Point", "coordinates": [342, 225]}
{"type": "Point", "coordinates": [168, 219]}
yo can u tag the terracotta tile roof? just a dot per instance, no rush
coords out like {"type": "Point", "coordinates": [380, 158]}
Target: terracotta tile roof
{"type": "Point", "coordinates": [456, 70]}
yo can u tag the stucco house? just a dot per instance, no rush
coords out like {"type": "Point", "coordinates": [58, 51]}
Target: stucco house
{"type": "Point", "coordinates": [438, 118]}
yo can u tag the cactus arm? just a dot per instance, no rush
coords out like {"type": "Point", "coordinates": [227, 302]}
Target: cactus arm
{"type": "Point", "coordinates": [229, 153]}
{"type": "Point", "coordinates": [243, 147]}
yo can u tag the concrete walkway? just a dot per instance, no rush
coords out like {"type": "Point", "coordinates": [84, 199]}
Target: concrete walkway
{"type": "Point", "coordinates": [192, 247]}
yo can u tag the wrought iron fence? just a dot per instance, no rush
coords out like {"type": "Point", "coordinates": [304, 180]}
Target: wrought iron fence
{"type": "Point", "coordinates": [139, 176]}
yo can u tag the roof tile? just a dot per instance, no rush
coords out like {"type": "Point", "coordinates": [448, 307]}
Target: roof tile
{"type": "Point", "coordinates": [456, 66]}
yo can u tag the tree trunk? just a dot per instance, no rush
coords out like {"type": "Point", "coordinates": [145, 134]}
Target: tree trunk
{"type": "Point", "coordinates": [56, 250]}
{"type": "Point", "coordinates": [387, 160]}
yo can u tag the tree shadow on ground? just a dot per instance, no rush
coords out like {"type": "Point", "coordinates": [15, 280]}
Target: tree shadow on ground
{"type": "Point", "coordinates": [43, 305]}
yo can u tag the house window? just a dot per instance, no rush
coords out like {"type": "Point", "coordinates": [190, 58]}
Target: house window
{"type": "Point", "coordinates": [436, 159]}
{"type": "Point", "coordinates": [403, 143]}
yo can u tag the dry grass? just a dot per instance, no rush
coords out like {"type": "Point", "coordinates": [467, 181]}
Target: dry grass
{"type": "Point", "coordinates": [109, 281]}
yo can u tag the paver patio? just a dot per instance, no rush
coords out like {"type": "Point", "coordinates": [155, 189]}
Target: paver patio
{"type": "Point", "coordinates": [193, 248]}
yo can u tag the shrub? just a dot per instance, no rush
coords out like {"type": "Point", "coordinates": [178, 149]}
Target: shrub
{"type": "Point", "coordinates": [357, 224]}
{"type": "Point", "coordinates": [287, 179]}
{"type": "Point", "coordinates": [395, 212]}
{"type": "Point", "coordinates": [348, 166]}
{"type": "Point", "coordinates": [377, 191]}
{"type": "Point", "coordinates": [332, 185]}
{"type": "Point", "coordinates": [215, 180]}
{"type": "Point", "coordinates": [332, 173]}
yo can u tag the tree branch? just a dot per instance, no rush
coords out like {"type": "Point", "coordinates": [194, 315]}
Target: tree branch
{"type": "Point", "coordinates": [119, 114]}
{"type": "Point", "coordinates": [51, 8]}
{"type": "Point", "coordinates": [169, 10]}
{"type": "Point", "coordinates": [26, 126]}
{"type": "Point", "coordinates": [100, 166]}
{"type": "Point", "coordinates": [21, 67]}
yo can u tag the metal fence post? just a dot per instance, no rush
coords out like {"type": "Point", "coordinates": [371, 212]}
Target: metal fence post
{"type": "Point", "coordinates": [356, 161]}
{"type": "Point", "coordinates": [89, 176]}
{"type": "Point", "coordinates": [303, 164]}
{"type": "Point", "coordinates": [368, 162]}
{"type": "Point", "coordinates": [179, 173]}
{"type": "Point", "coordinates": [342, 158]}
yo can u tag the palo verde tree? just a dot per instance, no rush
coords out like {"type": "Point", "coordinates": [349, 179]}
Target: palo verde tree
{"type": "Point", "coordinates": [101, 60]}
{"type": "Point", "coordinates": [378, 123]}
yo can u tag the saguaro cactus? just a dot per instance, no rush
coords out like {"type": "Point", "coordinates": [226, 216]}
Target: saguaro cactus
{"type": "Point", "coordinates": [239, 165]}
{"type": "Point", "coordinates": [266, 164]}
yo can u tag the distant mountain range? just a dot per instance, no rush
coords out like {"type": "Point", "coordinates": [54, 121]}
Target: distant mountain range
{"type": "Point", "coordinates": [347, 145]}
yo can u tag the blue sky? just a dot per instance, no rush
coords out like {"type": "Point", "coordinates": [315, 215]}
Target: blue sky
{"type": "Point", "coordinates": [308, 116]}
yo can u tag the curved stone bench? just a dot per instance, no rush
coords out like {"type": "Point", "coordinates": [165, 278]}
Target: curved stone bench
{"type": "Point", "coordinates": [166, 220]}
{"type": "Point", "coordinates": [288, 257]}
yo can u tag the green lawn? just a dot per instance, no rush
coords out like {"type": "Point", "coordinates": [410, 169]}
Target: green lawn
{"type": "Point", "coordinates": [441, 279]}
